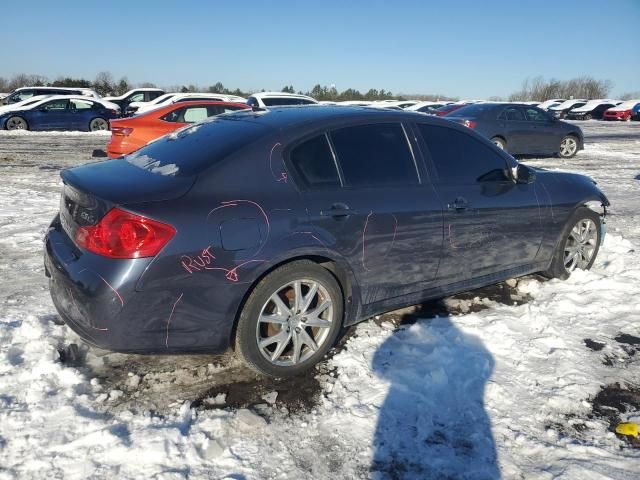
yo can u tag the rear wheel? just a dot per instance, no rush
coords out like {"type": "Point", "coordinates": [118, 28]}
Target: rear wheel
{"type": "Point", "coordinates": [588, 116]}
{"type": "Point", "coordinates": [579, 245]}
{"type": "Point", "coordinates": [98, 124]}
{"type": "Point", "coordinates": [568, 146]}
{"type": "Point", "coordinates": [499, 142]}
{"type": "Point", "coordinates": [290, 320]}
{"type": "Point", "coordinates": [16, 123]}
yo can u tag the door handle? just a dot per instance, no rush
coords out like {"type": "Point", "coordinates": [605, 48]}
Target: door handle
{"type": "Point", "coordinates": [459, 204]}
{"type": "Point", "coordinates": [338, 210]}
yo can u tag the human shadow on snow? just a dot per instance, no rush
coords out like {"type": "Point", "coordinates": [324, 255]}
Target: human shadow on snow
{"type": "Point", "coordinates": [433, 423]}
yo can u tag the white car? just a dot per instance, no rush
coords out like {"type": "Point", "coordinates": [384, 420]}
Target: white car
{"type": "Point", "coordinates": [135, 95]}
{"type": "Point", "coordinates": [23, 103]}
{"type": "Point", "coordinates": [561, 110]}
{"type": "Point", "coordinates": [426, 107]}
{"type": "Point", "coordinates": [170, 98]}
{"type": "Point", "coordinates": [547, 104]}
{"type": "Point", "coordinates": [276, 99]}
{"type": "Point", "coordinates": [356, 103]}
{"type": "Point", "coordinates": [24, 93]}
{"type": "Point", "coordinates": [402, 104]}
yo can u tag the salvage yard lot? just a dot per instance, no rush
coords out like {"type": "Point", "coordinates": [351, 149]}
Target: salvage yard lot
{"type": "Point", "coordinates": [522, 380]}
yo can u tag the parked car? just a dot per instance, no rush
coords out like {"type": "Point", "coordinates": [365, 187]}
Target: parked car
{"type": "Point", "coordinates": [23, 103]}
{"type": "Point", "coordinates": [592, 109]}
{"type": "Point", "coordinates": [275, 99]}
{"type": "Point", "coordinates": [135, 95]}
{"type": "Point", "coordinates": [561, 110]}
{"type": "Point", "coordinates": [521, 129]}
{"type": "Point", "coordinates": [61, 113]}
{"type": "Point", "coordinates": [189, 97]}
{"type": "Point", "coordinates": [401, 104]}
{"type": "Point", "coordinates": [272, 230]}
{"type": "Point", "coordinates": [547, 104]}
{"type": "Point", "coordinates": [24, 93]}
{"type": "Point", "coordinates": [427, 107]}
{"type": "Point", "coordinates": [446, 109]}
{"type": "Point", "coordinates": [624, 111]}
{"type": "Point", "coordinates": [129, 134]}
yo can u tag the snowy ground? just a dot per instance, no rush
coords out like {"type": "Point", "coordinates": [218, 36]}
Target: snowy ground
{"type": "Point", "coordinates": [520, 381]}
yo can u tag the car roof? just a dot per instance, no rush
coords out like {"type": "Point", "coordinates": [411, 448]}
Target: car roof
{"type": "Point", "coordinates": [280, 95]}
{"type": "Point", "coordinates": [80, 89]}
{"type": "Point", "coordinates": [297, 115]}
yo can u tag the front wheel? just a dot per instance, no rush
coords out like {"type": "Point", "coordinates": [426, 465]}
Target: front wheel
{"type": "Point", "coordinates": [98, 124]}
{"type": "Point", "coordinates": [579, 245]}
{"type": "Point", "coordinates": [588, 116]}
{"type": "Point", "coordinates": [568, 146]}
{"type": "Point", "coordinates": [16, 123]}
{"type": "Point", "coordinates": [290, 320]}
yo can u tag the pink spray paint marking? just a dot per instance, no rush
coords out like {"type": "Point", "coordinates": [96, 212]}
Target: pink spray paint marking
{"type": "Point", "coordinates": [364, 232]}
{"type": "Point", "coordinates": [283, 175]}
{"type": "Point", "coordinates": [106, 283]}
{"type": "Point", "coordinates": [166, 339]}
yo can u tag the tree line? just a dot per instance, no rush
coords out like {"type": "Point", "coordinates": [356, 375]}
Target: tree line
{"type": "Point", "coordinates": [533, 89]}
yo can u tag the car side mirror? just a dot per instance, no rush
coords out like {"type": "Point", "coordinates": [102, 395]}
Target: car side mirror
{"type": "Point", "coordinates": [524, 174]}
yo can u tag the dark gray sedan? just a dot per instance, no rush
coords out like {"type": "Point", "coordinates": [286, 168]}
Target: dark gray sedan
{"type": "Point", "coordinates": [521, 129]}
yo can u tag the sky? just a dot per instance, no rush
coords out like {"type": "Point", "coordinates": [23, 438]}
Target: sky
{"type": "Point", "coordinates": [463, 48]}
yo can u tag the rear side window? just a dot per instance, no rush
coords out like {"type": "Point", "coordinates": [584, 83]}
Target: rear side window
{"type": "Point", "coordinates": [535, 115]}
{"type": "Point", "coordinates": [313, 163]}
{"type": "Point", "coordinates": [372, 155]}
{"type": "Point", "coordinates": [513, 114]}
{"type": "Point", "coordinates": [275, 101]}
{"type": "Point", "coordinates": [81, 104]}
{"type": "Point", "coordinates": [461, 159]}
{"type": "Point", "coordinates": [218, 109]}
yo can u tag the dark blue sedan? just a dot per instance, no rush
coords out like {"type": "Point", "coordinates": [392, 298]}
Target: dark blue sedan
{"type": "Point", "coordinates": [272, 230]}
{"type": "Point", "coordinates": [521, 129]}
{"type": "Point", "coordinates": [61, 113]}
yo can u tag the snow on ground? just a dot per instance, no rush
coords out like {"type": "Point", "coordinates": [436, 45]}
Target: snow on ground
{"type": "Point", "coordinates": [502, 382]}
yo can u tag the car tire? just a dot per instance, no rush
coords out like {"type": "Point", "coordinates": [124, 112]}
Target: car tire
{"type": "Point", "coordinates": [588, 116]}
{"type": "Point", "coordinates": [281, 331]}
{"type": "Point", "coordinates": [568, 146]}
{"type": "Point", "coordinates": [581, 238]}
{"type": "Point", "coordinates": [16, 123]}
{"type": "Point", "coordinates": [98, 124]}
{"type": "Point", "coordinates": [499, 142]}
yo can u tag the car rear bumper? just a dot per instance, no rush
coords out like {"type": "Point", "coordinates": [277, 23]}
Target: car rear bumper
{"type": "Point", "coordinates": [97, 298]}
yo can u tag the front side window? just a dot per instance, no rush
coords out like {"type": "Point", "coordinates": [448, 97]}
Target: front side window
{"type": "Point", "coordinates": [56, 105]}
{"type": "Point", "coordinates": [138, 97]}
{"type": "Point", "coordinates": [461, 159]}
{"type": "Point", "coordinates": [372, 155]}
{"type": "Point", "coordinates": [535, 115]}
{"type": "Point", "coordinates": [278, 101]}
{"type": "Point", "coordinates": [314, 164]}
{"type": "Point", "coordinates": [22, 95]}
{"type": "Point", "coordinates": [186, 115]}
{"type": "Point", "coordinates": [513, 114]}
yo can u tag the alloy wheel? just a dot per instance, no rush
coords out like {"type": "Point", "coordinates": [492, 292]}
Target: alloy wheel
{"type": "Point", "coordinates": [568, 146]}
{"type": "Point", "coordinates": [580, 245]}
{"type": "Point", "coordinates": [16, 123]}
{"type": "Point", "coordinates": [98, 124]}
{"type": "Point", "coordinates": [294, 322]}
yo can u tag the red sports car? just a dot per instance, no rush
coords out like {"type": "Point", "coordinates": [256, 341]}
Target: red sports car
{"type": "Point", "coordinates": [625, 111]}
{"type": "Point", "coordinates": [130, 134]}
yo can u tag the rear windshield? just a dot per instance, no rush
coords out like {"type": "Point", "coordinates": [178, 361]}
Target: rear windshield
{"type": "Point", "coordinates": [192, 149]}
{"type": "Point", "coordinates": [475, 110]}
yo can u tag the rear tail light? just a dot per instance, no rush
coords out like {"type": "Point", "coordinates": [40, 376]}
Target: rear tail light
{"type": "Point", "coordinates": [469, 123]}
{"type": "Point", "coordinates": [122, 234]}
{"type": "Point", "coordinates": [121, 131]}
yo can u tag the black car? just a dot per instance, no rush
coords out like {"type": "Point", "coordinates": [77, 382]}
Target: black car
{"type": "Point", "coordinates": [272, 230]}
{"type": "Point", "coordinates": [561, 111]}
{"type": "Point", "coordinates": [590, 111]}
{"type": "Point", "coordinates": [521, 129]}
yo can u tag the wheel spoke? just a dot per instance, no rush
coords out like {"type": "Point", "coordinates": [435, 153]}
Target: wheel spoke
{"type": "Point", "coordinates": [307, 340]}
{"type": "Point", "coordinates": [281, 348]}
{"type": "Point", "coordinates": [297, 347]}
{"type": "Point", "coordinates": [278, 337]}
{"type": "Point", "coordinates": [297, 298]}
{"type": "Point", "coordinates": [283, 309]}
{"type": "Point", "coordinates": [313, 290]}
{"type": "Point", "coordinates": [319, 309]}
{"type": "Point", "coordinates": [275, 318]}
{"type": "Point", "coordinates": [317, 322]}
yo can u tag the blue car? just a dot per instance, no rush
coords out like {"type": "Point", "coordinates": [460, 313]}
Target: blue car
{"type": "Point", "coordinates": [271, 230]}
{"type": "Point", "coordinates": [61, 113]}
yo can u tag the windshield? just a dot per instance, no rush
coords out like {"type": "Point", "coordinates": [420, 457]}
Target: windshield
{"type": "Point", "coordinates": [192, 149]}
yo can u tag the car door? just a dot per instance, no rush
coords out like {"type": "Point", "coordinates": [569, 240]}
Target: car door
{"type": "Point", "coordinates": [491, 223]}
{"type": "Point", "coordinates": [516, 130]}
{"type": "Point", "coordinates": [81, 113]}
{"type": "Point", "coordinates": [365, 197]}
{"type": "Point", "coordinates": [52, 115]}
{"type": "Point", "coordinates": [545, 136]}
